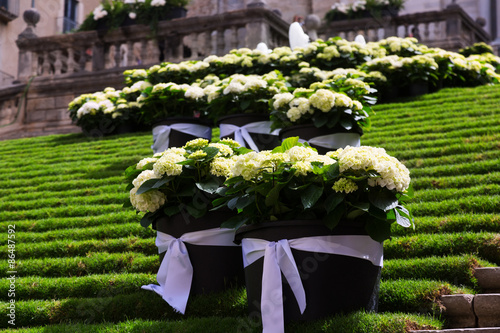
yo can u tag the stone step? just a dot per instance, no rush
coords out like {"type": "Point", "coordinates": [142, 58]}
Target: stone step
{"type": "Point", "coordinates": [469, 311]}
{"type": "Point", "coordinates": [488, 279]}
{"type": "Point", "coordinates": [462, 330]}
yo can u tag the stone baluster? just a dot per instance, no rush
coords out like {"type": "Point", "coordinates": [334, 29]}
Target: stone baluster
{"type": "Point", "coordinates": [220, 41]}
{"type": "Point", "coordinates": [46, 64]}
{"type": "Point", "coordinates": [153, 52]}
{"type": "Point", "coordinates": [71, 63]}
{"type": "Point", "coordinates": [117, 55]}
{"type": "Point", "coordinates": [426, 32]}
{"type": "Point", "coordinates": [58, 64]}
{"type": "Point", "coordinates": [234, 37]}
{"type": "Point", "coordinates": [129, 53]}
{"type": "Point", "coordinates": [144, 52]}
{"type": "Point", "coordinates": [194, 45]}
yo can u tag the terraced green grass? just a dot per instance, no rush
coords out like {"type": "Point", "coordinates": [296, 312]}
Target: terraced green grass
{"type": "Point", "coordinates": [81, 258]}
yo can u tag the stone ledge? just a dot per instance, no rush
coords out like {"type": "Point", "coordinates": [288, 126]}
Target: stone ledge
{"type": "Point", "coordinates": [488, 279]}
{"type": "Point", "coordinates": [462, 330]}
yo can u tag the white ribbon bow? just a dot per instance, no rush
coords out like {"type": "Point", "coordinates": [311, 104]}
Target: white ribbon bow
{"type": "Point", "coordinates": [278, 258]}
{"type": "Point", "coordinates": [161, 134]}
{"type": "Point", "coordinates": [336, 140]}
{"type": "Point", "coordinates": [176, 272]}
{"type": "Point", "coordinates": [242, 134]}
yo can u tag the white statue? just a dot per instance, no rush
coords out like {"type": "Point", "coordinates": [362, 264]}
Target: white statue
{"type": "Point", "coordinates": [297, 36]}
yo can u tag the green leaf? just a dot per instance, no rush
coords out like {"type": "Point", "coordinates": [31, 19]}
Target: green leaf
{"type": "Point", "coordinates": [127, 203]}
{"type": "Point", "coordinates": [290, 142]}
{"type": "Point", "coordinates": [311, 195]}
{"type": "Point", "coordinates": [235, 222]}
{"type": "Point", "coordinates": [332, 171]}
{"type": "Point", "coordinates": [244, 201]}
{"type": "Point", "coordinates": [320, 119]}
{"type": "Point", "coordinates": [384, 200]}
{"type": "Point", "coordinates": [272, 196]}
{"type": "Point", "coordinates": [333, 218]}
{"type": "Point", "coordinates": [147, 220]}
{"type": "Point", "coordinates": [209, 186]}
{"type": "Point", "coordinates": [171, 210]}
{"type": "Point", "coordinates": [378, 230]}
{"type": "Point", "coordinates": [346, 123]}
{"type": "Point", "coordinates": [195, 211]}
{"type": "Point", "coordinates": [333, 200]}
{"type": "Point", "coordinates": [211, 153]}
{"type": "Point", "coordinates": [245, 104]}
{"type": "Point", "coordinates": [146, 186]}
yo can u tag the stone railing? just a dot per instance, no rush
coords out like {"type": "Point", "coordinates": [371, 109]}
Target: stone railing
{"type": "Point", "coordinates": [176, 40]}
{"type": "Point", "coordinates": [450, 29]}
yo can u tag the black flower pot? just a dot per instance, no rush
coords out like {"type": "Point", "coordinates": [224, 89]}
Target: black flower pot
{"type": "Point", "coordinates": [178, 138]}
{"type": "Point", "coordinates": [263, 141]}
{"type": "Point", "coordinates": [215, 268]}
{"type": "Point", "coordinates": [333, 283]}
{"type": "Point", "coordinates": [309, 131]}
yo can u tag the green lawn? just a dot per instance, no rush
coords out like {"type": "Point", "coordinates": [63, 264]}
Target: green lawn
{"type": "Point", "coordinates": [81, 258]}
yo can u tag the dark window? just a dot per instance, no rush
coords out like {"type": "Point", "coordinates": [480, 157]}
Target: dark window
{"type": "Point", "coordinates": [4, 4]}
{"type": "Point", "coordinates": [70, 7]}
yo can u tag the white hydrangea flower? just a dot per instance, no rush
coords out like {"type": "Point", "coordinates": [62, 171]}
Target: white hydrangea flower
{"type": "Point", "coordinates": [298, 153]}
{"type": "Point", "coordinates": [147, 202]}
{"type": "Point", "coordinates": [221, 167]}
{"type": "Point", "coordinates": [393, 174]}
{"type": "Point", "coordinates": [145, 161]}
{"type": "Point", "coordinates": [167, 164]}
{"type": "Point", "coordinates": [158, 3]}
{"type": "Point", "coordinates": [194, 92]}
{"type": "Point", "coordinates": [323, 99]}
{"type": "Point", "coordinates": [282, 99]}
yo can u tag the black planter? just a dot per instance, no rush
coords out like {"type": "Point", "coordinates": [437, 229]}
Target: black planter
{"type": "Point", "coordinates": [262, 141]}
{"type": "Point", "coordinates": [309, 131]}
{"type": "Point", "coordinates": [174, 13]}
{"type": "Point", "coordinates": [177, 138]}
{"type": "Point", "coordinates": [215, 268]}
{"type": "Point", "coordinates": [332, 283]}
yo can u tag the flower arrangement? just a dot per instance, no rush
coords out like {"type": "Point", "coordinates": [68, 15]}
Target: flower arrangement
{"type": "Point", "coordinates": [295, 182]}
{"type": "Point", "coordinates": [101, 113]}
{"type": "Point", "coordinates": [180, 180]}
{"type": "Point", "coordinates": [111, 14]}
{"type": "Point", "coordinates": [363, 8]}
{"type": "Point", "coordinates": [165, 100]}
{"type": "Point", "coordinates": [244, 94]}
{"type": "Point", "coordinates": [344, 100]}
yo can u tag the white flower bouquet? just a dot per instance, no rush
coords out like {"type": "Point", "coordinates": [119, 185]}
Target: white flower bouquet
{"type": "Point", "coordinates": [342, 102]}
{"type": "Point", "coordinates": [294, 182]}
{"type": "Point", "coordinates": [102, 112]}
{"type": "Point", "coordinates": [180, 180]}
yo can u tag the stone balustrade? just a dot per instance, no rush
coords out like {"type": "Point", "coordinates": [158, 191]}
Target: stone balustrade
{"type": "Point", "coordinates": [450, 29]}
{"type": "Point", "coordinates": [137, 45]}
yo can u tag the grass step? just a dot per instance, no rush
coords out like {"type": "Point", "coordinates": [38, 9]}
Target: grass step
{"type": "Point", "coordinates": [91, 263]}
{"type": "Point", "coordinates": [121, 216]}
{"type": "Point", "coordinates": [113, 306]}
{"type": "Point", "coordinates": [470, 222]}
{"type": "Point", "coordinates": [85, 233]}
{"type": "Point", "coordinates": [485, 245]}
{"type": "Point", "coordinates": [357, 322]}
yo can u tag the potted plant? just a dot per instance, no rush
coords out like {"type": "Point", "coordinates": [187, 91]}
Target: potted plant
{"type": "Point", "coordinates": [105, 113]}
{"type": "Point", "coordinates": [328, 114]}
{"type": "Point", "coordinates": [112, 14]}
{"type": "Point", "coordinates": [239, 104]}
{"type": "Point", "coordinates": [174, 190]}
{"type": "Point", "coordinates": [175, 113]}
{"type": "Point", "coordinates": [318, 219]}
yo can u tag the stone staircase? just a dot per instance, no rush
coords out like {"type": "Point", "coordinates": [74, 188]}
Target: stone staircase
{"type": "Point", "coordinates": [474, 313]}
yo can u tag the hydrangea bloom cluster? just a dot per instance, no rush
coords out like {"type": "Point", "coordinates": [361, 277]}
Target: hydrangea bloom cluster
{"type": "Point", "coordinates": [393, 174]}
{"type": "Point", "coordinates": [182, 169]}
{"type": "Point", "coordinates": [294, 182]}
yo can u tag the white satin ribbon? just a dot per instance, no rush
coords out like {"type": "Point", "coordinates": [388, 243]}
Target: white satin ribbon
{"type": "Point", "coordinates": [278, 258]}
{"type": "Point", "coordinates": [161, 134]}
{"type": "Point", "coordinates": [176, 272]}
{"type": "Point", "coordinates": [336, 140]}
{"type": "Point", "coordinates": [242, 134]}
